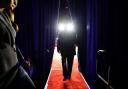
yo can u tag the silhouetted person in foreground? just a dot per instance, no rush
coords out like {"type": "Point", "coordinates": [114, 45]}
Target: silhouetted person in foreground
{"type": "Point", "coordinates": [12, 75]}
{"type": "Point", "coordinates": [66, 46]}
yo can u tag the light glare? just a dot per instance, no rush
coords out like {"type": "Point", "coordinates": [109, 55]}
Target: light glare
{"type": "Point", "coordinates": [70, 27]}
{"type": "Point", "coordinates": [61, 27]}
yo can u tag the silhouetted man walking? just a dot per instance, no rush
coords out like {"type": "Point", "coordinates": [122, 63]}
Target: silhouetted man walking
{"type": "Point", "coordinates": [66, 46]}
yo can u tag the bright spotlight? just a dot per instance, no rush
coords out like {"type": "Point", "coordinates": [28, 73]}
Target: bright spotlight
{"type": "Point", "coordinates": [61, 27]}
{"type": "Point", "coordinates": [66, 27]}
{"type": "Point", "coordinates": [70, 27]}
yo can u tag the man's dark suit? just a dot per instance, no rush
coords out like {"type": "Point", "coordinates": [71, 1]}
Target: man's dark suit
{"type": "Point", "coordinates": [66, 46]}
{"type": "Point", "coordinates": [12, 75]}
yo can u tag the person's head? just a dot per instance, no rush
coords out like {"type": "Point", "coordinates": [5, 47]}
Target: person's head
{"type": "Point", "coordinates": [8, 4]}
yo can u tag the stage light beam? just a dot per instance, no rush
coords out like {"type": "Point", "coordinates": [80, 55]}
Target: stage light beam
{"type": "Point", "coordinates": [70, 27]}
{"type": "Point", "coordinates": [66, 27]}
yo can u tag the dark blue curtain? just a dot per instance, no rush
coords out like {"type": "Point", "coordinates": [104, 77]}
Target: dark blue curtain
{"type": "Point", "coordinates": [36, 38]}
{"type": "Point", "coordinates": [109, 27]}
{"type": "Point", "coordinates": [94, 20]}
{"type": "Point", "coordinates": [85, 16]}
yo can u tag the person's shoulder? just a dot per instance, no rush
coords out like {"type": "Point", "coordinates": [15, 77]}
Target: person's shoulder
{"type": "Point", "coordinates": [3, 17]}
{"type": "Point", "coordinates": [1, 10]}
{"type": "Point", "coordinates": [2, 21]}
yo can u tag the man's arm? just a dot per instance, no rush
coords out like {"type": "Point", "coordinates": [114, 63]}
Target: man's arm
{"type": "Point", "coordinates": [58, 45]}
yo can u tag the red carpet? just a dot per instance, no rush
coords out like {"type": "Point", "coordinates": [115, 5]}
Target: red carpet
{"type": "Point", "coordinates": [55, 80]}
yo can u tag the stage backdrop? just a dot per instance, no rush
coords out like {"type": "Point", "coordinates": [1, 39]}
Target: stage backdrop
{"type": "Point", "coordinates": [36, 38]}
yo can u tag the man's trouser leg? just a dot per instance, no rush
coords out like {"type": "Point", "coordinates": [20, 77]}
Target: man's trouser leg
{"type": "Point", "coordinates": [70, 64]}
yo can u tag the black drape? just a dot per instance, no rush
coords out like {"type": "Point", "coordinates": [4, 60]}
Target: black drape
{"type": "Point", "coordinates": [110, 17]}
{"type": "Point", "coordinates": [36, 38]}
{"type": "Point", "coordinates": [103, 27]}
{"type": "Point", "coordinates": [83, 13]}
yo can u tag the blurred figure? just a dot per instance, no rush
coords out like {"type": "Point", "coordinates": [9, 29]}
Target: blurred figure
{"type": "Point", "coordinates": [28, 65]}
{"type": "Point", "coordinates": [12, 75]}
{"type": "Point", "coordinates": [66, 46]}
{"type": "Point", "coordinates": [66, 38]}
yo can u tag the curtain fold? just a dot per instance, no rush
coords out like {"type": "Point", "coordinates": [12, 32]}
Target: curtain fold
{"type": "Point", "coordinates": [36, 38]}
